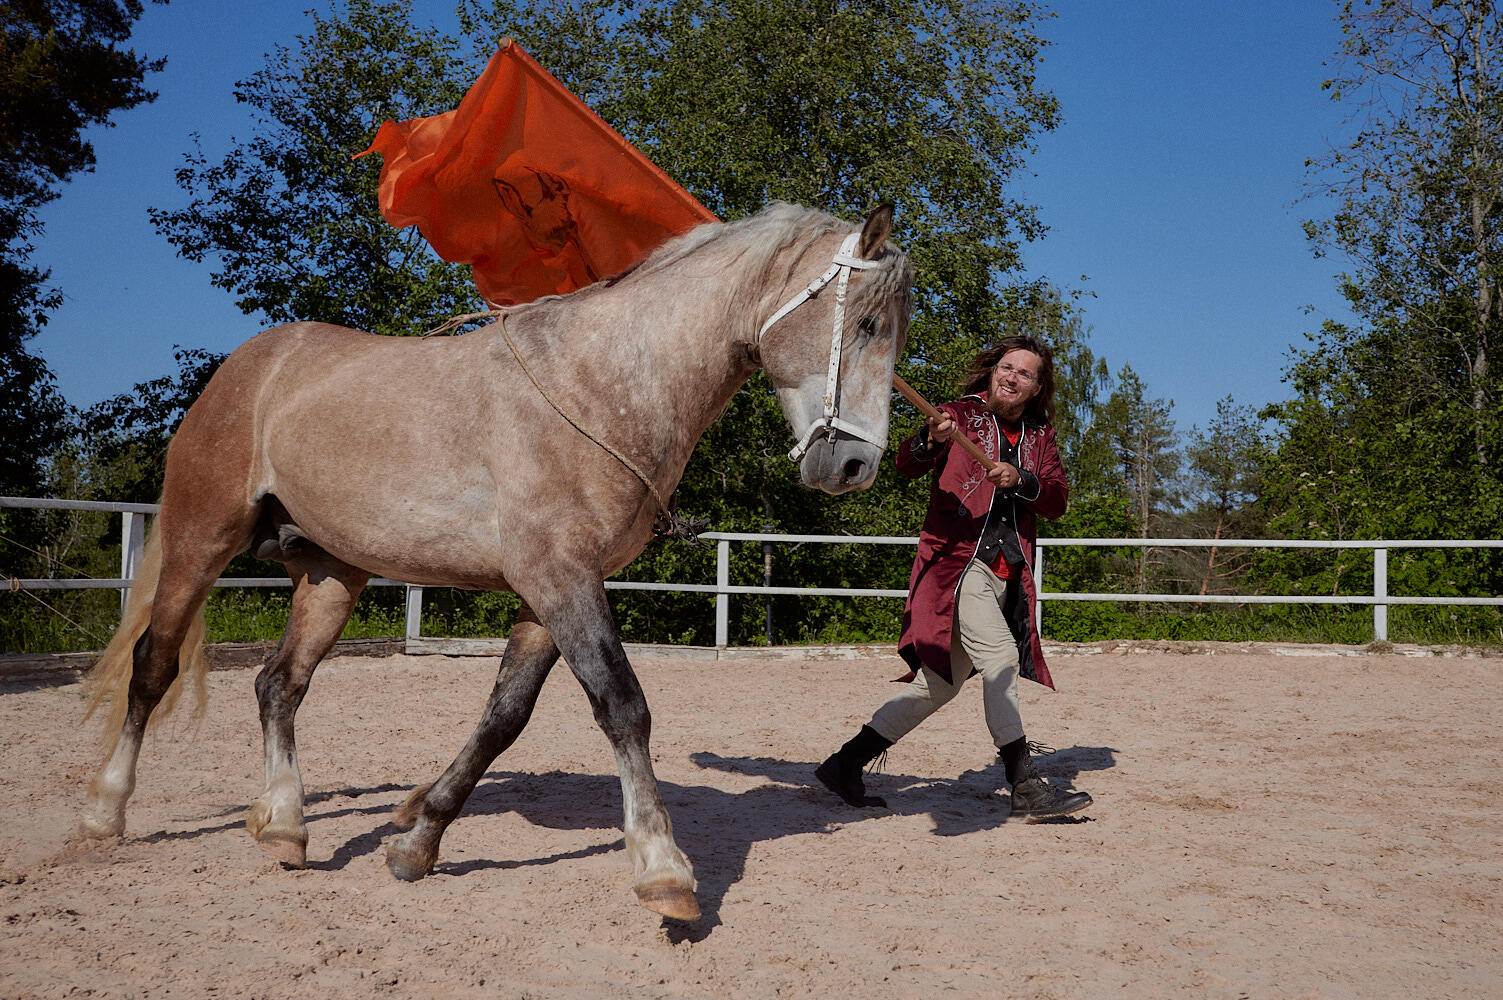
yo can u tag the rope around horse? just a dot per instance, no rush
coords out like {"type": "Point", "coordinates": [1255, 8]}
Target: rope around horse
{"type": "Point", "coordinates": [666, 524]}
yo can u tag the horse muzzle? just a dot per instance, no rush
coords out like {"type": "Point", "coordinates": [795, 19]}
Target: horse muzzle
{"type": "Point", "coordinates": [839, 463]}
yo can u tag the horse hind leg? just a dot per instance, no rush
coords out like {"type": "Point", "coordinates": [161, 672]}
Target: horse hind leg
{"type": "Point", "coordinates": [154, 667]}
{"type": "Point", "coordinates": [530, 655]}
{"type": "Point", "coordinates": [324, 594]}
{"type": "Point", "coordinates": [165, 607]}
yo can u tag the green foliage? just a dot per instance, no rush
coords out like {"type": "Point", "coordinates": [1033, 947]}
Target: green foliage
{"type": "Point", "coordinates": [123, 451]}
{"type": "Point", "coordinates": [289, 218]}
{"type": "Point", "coordinates": [467, 613]}
{"type": "Point", "coordinates": [62, 71]}
{"type": "Point", "coordinates": [1142, 437]}
{"type": "Point", "coordinates": [1397, 419]}
{"type": "Point", "coordinates": [259, 614]}
{"type": "Point", "coordinates": [1090, 569]}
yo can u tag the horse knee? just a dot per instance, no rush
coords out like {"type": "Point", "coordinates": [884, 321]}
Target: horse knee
{"type": "Point", "coordinates": [625, 720]}
{"type": "Point", "coordinates": [619, 705]}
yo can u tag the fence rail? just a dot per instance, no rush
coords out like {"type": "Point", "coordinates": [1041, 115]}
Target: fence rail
{"type": "Point", "coordinates": [132, 537]}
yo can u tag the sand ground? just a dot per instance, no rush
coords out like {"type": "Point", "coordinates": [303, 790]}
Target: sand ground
{"type": "Point", "coordinates": [1265, 826]}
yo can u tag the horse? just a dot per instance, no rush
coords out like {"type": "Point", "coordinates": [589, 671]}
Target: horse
{"type": "Point", "coordinates": [529, 456]}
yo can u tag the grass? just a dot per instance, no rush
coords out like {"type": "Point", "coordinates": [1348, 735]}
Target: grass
{"type": "Point", "coordinates": [83, 620]}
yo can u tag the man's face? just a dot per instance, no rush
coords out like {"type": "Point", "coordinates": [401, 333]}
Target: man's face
{"type": "Point", "coordinates": [1015, 380]}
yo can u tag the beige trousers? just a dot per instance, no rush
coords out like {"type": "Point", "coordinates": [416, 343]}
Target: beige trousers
{"type": "Point", "coordinates": [980, 639]}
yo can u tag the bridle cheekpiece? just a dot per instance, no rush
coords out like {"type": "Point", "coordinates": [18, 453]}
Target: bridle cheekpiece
{"type": "Point", "coordinates": [840, 272]}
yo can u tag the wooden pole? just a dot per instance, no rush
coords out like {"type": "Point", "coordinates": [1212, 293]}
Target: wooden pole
{"type": "Point", "coordinates": [929, 410]}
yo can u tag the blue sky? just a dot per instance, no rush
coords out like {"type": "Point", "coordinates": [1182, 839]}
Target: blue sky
{"type": "Point", "coordinates": [1172, 192]}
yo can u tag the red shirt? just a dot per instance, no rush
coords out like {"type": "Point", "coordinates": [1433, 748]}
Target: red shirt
{"type": "Point", "coordinates": [1013, 434]}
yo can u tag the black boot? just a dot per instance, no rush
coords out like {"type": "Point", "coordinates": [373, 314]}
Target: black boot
{"type": "Point", "coordinates": [1033, 798]}
{"type": "Point", "coordinates": [841, 773]}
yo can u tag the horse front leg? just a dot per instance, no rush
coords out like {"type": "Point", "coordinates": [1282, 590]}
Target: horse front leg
{"type": "Point", "coordinates": [662, 877]}
{"type": "Point", "coordinates": [530, 655]}
{"type": "Point", "coordinates": [324, 594]}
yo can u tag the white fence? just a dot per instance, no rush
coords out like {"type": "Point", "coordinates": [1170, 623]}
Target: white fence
{"type": "Point", "coordinates": [133, 518]}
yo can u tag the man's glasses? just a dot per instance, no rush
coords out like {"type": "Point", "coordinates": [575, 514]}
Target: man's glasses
{"type": "Point", "coordinates": [1021, 374]}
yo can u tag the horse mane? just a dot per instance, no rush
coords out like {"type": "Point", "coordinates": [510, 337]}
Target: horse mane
{"type": "Point", "coordinates": [752, 248]}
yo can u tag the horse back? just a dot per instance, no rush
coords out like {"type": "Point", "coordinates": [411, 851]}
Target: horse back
{"type": "Point", "coordinates": [378, 447]}
{"type": "Point", "coordinates": [427, 460]}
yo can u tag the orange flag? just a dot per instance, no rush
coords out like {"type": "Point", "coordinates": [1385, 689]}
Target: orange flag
{"type": "Point", "coordinates": [528, 186]}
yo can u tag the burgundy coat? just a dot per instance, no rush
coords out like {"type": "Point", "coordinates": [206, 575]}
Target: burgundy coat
{"type": "Point", "coordinates": [960, 498]}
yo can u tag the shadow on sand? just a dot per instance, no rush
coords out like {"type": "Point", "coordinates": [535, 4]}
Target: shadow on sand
{"type": "Point", "coordinates": [716, 828]}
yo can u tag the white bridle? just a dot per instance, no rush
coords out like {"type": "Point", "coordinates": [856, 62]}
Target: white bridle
{"type": "Point", "coordinates": [845, 261]}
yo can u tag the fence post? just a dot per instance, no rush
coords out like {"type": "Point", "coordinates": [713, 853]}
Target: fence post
{"type": "Point", "coordinates": [132, 541]}
{"type": "Point", "coordinates": [1380, 593]}
{"type": "Point", "coordinates": [1038, 589]}
{"type": "Point", "coordinates": [722, 599]}
{"type": "Point", "coordinates": [414, 613]}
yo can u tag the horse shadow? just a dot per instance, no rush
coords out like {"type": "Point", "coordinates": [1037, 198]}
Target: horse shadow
{"type": "Point", "coordinates": [718, 829]}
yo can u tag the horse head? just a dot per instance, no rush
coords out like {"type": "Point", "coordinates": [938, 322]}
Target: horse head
{"type": "Point", "coordinates": [830, 352]}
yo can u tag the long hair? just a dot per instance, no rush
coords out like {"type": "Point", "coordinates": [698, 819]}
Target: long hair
{"type": "Point", "coordinates": [977, 378]}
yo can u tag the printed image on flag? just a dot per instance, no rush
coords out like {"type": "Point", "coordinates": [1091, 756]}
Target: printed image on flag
{"type": "Point", "coordinates": [528, 186]}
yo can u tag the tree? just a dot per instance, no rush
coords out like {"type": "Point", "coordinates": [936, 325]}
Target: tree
{"type": "Point", "coordinates": [61, 72]}
{"type": "Point", "coordinates": [1420, 192]}
{"type": "Point", "coordinates": [1396, 420]}
{"type": "Point", "coordinates": [127, 435]}
{"type": "Point", "coordinates": [1144, 440]}
{"type": "Point", "coordinates": [1225, 468]}
{"type": "Point", "coordinates": [1398, 416]}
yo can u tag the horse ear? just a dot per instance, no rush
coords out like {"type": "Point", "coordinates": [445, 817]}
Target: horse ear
{"type": "Point", "coordinates": [874, 234]}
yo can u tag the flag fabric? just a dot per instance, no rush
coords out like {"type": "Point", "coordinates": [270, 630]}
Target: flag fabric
{"type": "Point", "coordinates": [528, 186]}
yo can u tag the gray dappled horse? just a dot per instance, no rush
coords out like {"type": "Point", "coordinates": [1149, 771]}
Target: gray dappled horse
{"type": "Point", "coordinates": [345, 455]}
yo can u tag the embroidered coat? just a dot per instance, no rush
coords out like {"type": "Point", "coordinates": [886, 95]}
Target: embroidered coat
{"type": "Point", "coordinates": [960, 502]}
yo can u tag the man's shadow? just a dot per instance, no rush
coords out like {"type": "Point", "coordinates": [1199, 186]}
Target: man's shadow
{"type": "Point", "coordinates": [956, 806]}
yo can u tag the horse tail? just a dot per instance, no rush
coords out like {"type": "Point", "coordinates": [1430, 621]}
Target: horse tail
{"type": "Point", "coordinates": [109, 680]}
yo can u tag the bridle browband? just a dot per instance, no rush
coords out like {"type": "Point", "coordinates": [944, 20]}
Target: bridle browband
{"type": "Point", "coordinates": [839, 271]}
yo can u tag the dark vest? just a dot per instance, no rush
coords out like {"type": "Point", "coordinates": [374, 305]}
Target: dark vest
{"type": "Point", "coordinates": [1001, 532]}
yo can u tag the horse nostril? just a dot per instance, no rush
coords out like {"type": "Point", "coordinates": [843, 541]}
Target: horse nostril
{"type": "Point", "coordinates": [855, 470]}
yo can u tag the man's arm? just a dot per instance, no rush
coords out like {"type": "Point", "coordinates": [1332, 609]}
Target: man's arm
{"type": "Point", "coordinates": [1044, 489]}
{"type": "Point", "coordinates": [919, 453]}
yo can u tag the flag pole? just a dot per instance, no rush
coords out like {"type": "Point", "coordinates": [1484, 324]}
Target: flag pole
{"type": "Point", "coordinates": [928, 409]}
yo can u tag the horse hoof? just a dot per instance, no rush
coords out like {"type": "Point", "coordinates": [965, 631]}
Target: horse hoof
{"type": "Point", "coordinates": [101, 825]}
{"type": "Point", "coordinates": [405, 863]}
{"type": "Point", "coordinates": [672, 901]}
{"type": "Point", "coordinates": [289, 850]}
{"type": "Point", "coordinates": [287, 842]}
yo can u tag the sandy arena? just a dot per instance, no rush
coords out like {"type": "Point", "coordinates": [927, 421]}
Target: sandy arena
{"type": "Point", "coordinates": [1265, 826]}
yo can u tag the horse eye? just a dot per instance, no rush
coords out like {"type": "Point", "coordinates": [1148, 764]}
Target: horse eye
{"type": "Point", "coordinates": [867, 326]}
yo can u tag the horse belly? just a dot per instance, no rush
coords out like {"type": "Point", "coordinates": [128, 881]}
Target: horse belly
{"type": "Point", "coordinates": [386, 479]}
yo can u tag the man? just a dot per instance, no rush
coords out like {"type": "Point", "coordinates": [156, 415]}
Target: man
{"type": "Point", "coordinates": [971, 594]}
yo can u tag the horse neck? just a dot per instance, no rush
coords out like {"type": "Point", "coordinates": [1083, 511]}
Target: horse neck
{"type": "Point", "coordinates": [640, 362]}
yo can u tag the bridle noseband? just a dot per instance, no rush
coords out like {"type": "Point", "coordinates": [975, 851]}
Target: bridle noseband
{"type": "Point", "coordinates": [840, 271]}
